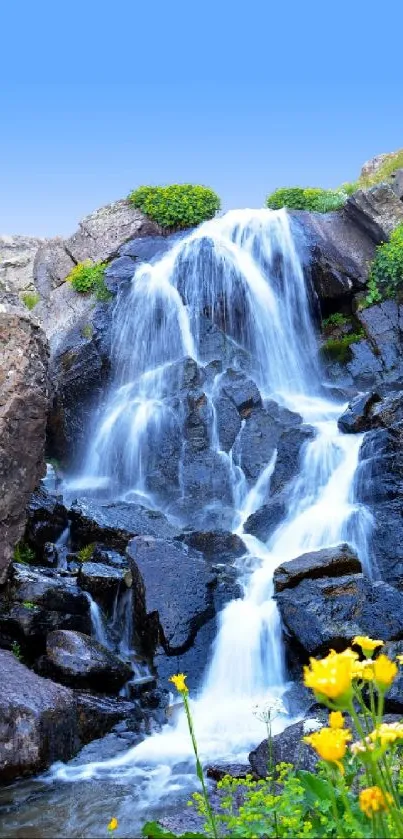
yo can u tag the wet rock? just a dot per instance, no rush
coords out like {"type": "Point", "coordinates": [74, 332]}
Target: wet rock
{"type": "Point", "coordinates": [264, 522]}
{"type": "Point", "coordinates": [38, 721]}
{"type": "Point", "coordinates": [217, 546]}
{"type": "Point", "coordinates": [394, 696]}
{"type": "Point", "coordinates": [103, 582]}
{"type": "Point", "coordinates": [37, 601]}
{"type": "Point", "coordinates": [228, 422]}
{"type": "Point", "coordinates": [77, 660]}
{"type": "Point", "coordinates": [377, 211]}
{"type": "Point", "coordinates": [242, 392]}
{"type": "Point", "coordinates": [290, 448]}
{"type": "Point", "coordinates": [109, 557]}
{"type": "Point", "coordinates": [206, 483]}
{"type": "Point", "coordinates": [257, 443]}
{"type": "Point", "coordinates": [326, 613]}
{"type": "Point", "coordinates": [383, 324]}
{"type": "Point", "coordinates": [24, 404]}
{"type": "Point", "coordinates": [113, 525]}
{"type": "Point", "coordinates": [173, 595]}
{"type": "Point", "coordinates": [287, 748]}
{"type": "Point", "coordinates": [236, 770]}
{"type": "Point", "coordinates": [119, 270]}
{"type": "Point", "coordinates": [355, 417]}
{"type": "Point", "coordinates": [329, 562]}
{"type": "Point", "coordinates": [388, 413]}
{"type": "Point", "coordinates": [97, 715]}
{"type": "Point", "coordinates": [47, 517]}
{"type": "Point", "coordinates": [196, 427]}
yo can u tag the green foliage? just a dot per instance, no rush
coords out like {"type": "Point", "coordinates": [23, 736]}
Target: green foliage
{"type": "Point", "coordinates": [338, 348]}
{"type": "Point", "coordinates": [89, 277]}
{"type": "Point", "coordinates": [16, 650]}
{"type": "Point", "coordinates": [337, 319]}
{"type": "Point", "coordinates": [386, 273]}
{"type": "Point", "coordinates": [177, 206]}
{"type": "Point", "coordinates": [28, 605]}
{"type": "Point", "coordinates": [85, 554]}
{"type": "Point", "coordinates": [23, 553]}
{"type": "Point", "coordinates": [30, 298]}
{"type": "Point", "coordinates": [310, 198]}
{"type": "Point", "coordinates": [87, 331]}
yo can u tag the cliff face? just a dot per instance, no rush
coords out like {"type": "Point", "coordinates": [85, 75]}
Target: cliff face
{"type": "Point", "coordinates": [23, 415]}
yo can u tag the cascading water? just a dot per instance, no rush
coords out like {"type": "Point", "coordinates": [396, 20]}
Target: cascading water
{"type": "Point", "coordinates": [241, 273]}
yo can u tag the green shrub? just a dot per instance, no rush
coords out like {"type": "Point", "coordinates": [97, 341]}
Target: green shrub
{"type": "Point", "coordinates": [28, 605]}
{"type": "Point", "coordinates": [85, 554]}
{"type": "Point", "coordinates": [338, 348]}
{"type": "Point", "coordinates": [87, 331]}
{"type": "Point", "coordinates": [89, 277]}
{"type": "Point", "coordinates": [177, 206]}
{"type": "Point", "coordinates": [385, 171]}
{"type": "Point", "coordinates": [30, 298]}
{"type": "Point", "coordinates": [337, 319]}
{"type": "Point", "coordinates": [23, 553]}
{"type": "Point", "coordinates": [386, 272]}
{"type": "Point", "coordinates": [16, 650]}
{"type": "Point", "coordinates": [309, 198]}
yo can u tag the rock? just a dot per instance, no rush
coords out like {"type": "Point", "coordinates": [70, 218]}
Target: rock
{"type": "Point", "coordinates": [206, 483]}
{"type": "Point", "coordinates": [172, 592]}
{"type": "Point", "coordinates": [113, 525]}
{"type": "Point", "coordinates": [38, 721]}
{"type": "Point", "coordinates": [397, 183]}
{"type": "Point", "coordinates": [326, 613]}
{"type": "Point", "coordinates": [337, 253]}
{"type": "Point", "coordinates": [119, 270]}
{"type": "Point", "coordinates": [377, 211]}
{"type": "Point", "coordinates": [328, 562]}
{"type": "Point", "coordinates": [217, 546]}
{"type": "Point", "coordinates": [149, 248]}
{"type": "Point", "coordinates": [77, 660]}
{"type": "Point", "coordinates": [290, 448]}
{"type": "Point", "coordinates": [355, 417]}
{"type": "Point", "coordinates": [47, 517]}
{"type": "Point", "coordinates": [267, 518]}
{"type": "Point", "coordinates": [103, 232]}
{"type": "Point", "coordinates": [24, 403]}
{"type": "Point", "coordinates": [257, 443]}
{"type": "Point", "coordinates": [37, 601]}
{"type": "Point", "coordinates": [373, 165]}
{"type": "Point", "coordinates": [103, 582]}
{"type": "Point", "coordinates": [236, 770]}
{"type": "Point", "coordinates": [287, 748]}
{"type": "Point", "coordinates": [242, 392]}
{"type": "Point", "coordinates": [228, 422]}
{"type": "Point", "coordinates": [383, 324]}
{"type": "Point", "coordinates": [97, 715]}
{"type": "Point", "coordinates": [62, 311]}
{"type": "Point", "coordinates": [17, 255]}
{"type": "Point", "coordinates": [52, 264]}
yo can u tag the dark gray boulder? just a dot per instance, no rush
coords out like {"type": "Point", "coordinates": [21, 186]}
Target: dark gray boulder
{"type": "Point", "coordinates": [326, 613]}
{"type": "Point", "coordinates": [328, 562]}
{"type": "Point", "coordinates": [394, 696]}
{"type": "Point", "coordinates": [173, 594]}
{"type": "Point", "coordinates": [77, 660]}
{"type": "Point", "coordinates": [264, 522]}
{"type": "Point", "coordinates": [38, 721]}
{"type": "Point", "coordinates": [397, 183]}
{"type": "Point", "coordinates": [377, 211]}
{"type": "Point", "coordinates": [37, 601]}
{"type": "Point", "coordinates": [47, 517]}
{"type": "Point", "coordinates": [287, 748]}
{"type": "Point", "coordinates": [228, 422]}
{"type": "Point", "coordinates": [114, 524]}
{"type": "Point", "coordinates": [103, 582]}
{"type": "Point", "coordinates": [290, 450]}
{"type": "Point", "coordinates": [216, 545]}
{"type": "Point", "coordinates": [97, 715]}
{"type": "Point", "coordinates": [242, 391]}
{"type": "Point", "coordinates": [356, 416]}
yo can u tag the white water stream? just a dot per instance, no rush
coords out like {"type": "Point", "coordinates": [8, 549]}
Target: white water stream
{"type": "Point", "coordinates": [245, 271]}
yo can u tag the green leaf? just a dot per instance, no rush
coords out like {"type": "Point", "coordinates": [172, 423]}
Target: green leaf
{"type": "Point", "coordinates": [315, 788]}
{"type": "Point", "coordinates": [153, 830]}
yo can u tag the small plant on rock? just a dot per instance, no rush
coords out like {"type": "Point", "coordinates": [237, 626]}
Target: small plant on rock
{"type": "Point", "coordinates": [177, 206]}
{"type": "Point", "coordinates": [337, 319]}
{"type": "Point", "coordinates": [23, 553]}
{"type": "Point", "coordinates": [89, 277]}
{"type": "Point", "coordinates": [16, 650]}
{"type": "Point", "coordinates": [386, 272]}
{"type": "Point", "coordinates": [85, 553]}
{"type": "Point", "coordinates": [30, 299]}
{"type": "Point", "coordinates": [306, 198]}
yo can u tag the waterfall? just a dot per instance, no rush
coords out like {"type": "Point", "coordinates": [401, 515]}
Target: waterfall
{"type": "Point", "coordinates": [243, 273]}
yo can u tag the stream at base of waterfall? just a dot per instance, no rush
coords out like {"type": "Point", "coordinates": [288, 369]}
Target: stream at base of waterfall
{"type": "Point", "coordinates": [244, 271]}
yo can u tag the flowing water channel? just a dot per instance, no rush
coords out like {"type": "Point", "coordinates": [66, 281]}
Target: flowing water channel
{"type": "Point", "coordinates": [244, 271]}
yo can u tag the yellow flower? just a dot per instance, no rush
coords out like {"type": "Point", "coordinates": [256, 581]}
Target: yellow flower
{"type": "Point", "coordinates": [368, 645]}
{"type": "Point", "coordinates": [336, 719]}
{"type": "Point", "coordinates": [372, 800]}
{"type": "Point", "coordinates": [331, 676]}
{"type": "Point", "coordinates": [329, 743]}
{"type": "Point", "coordinates": [179, 682]}
{"type": "Point", "coordinates": [387, 733]}
{"type": "Point", "coordinates": [384, 671]}
{"type": "Point", "coordinates": [399, 658]}
{"type": "Point", "coordinates": [363, 670]}
{"type": "Point", "coordinates": [362, 746]}
{"type": "Point", "coordinates": [113, 824]}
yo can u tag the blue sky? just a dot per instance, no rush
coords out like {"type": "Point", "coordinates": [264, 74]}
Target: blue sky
{"type": "Point", "coordinates": [95, 100]}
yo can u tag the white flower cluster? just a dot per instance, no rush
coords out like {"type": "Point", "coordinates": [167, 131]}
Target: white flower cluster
{"type": "Point", "coordinates": [268, 710]}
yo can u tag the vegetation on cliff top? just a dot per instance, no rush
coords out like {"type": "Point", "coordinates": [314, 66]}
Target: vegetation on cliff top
{"type": "Point", "coordinates": [177, 206]}
{"type": "Point", "coordinates": [386, 273]}
{"type": "Point", "coordinates": [312, 199]}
